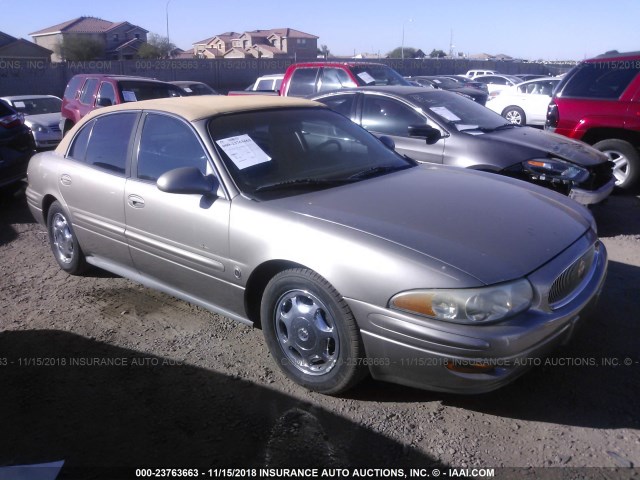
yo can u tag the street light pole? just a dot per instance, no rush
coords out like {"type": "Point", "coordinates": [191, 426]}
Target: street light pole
{"type": "Point", "coordinates": [402, 45]}
{"type": "Point", "coordinates": [167, 12]}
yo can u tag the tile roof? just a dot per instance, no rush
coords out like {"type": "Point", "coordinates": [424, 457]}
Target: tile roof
{"type": "Point", "coordinates": [82, 25]}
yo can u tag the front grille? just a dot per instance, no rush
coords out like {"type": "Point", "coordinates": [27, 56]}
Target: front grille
{"type": "Point", "coordinates": [54, 128]}
{"type": "Point", "coordinates": [571, 279]}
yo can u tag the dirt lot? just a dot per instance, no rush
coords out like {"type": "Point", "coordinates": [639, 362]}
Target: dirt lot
{"type": "Point", "coordinates": [99, 371]}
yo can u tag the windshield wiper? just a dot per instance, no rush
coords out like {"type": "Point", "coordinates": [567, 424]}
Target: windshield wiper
{"type": "Point", "coordinates": [504, 126]}
{"type": "Point", "coordinates": [302, 182]}
{"type": "Point", "coordinates": [373, 171]}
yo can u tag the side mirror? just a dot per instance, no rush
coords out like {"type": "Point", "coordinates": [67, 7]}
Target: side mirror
{"type": "Point", "coordinates": [430, 134]}
{"type": "Point", "coordinates": [104, 102]}
{"type": "Point", "coordinates": [187, 180]}
{"type": "Point", "coordinates": [387, 142]}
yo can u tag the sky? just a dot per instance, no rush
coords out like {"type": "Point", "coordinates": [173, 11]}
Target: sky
{"type": "Point", "coordinates": [531, 30]}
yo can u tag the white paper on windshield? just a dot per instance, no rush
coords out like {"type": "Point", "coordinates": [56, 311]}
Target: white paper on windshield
{"type": "Point", "coordinates": [243, 151]}
{"type": "Point", "coordinates": [366, 78]}
{"type": "Point", "coordinates": [445, 113]}
{"type": "Point", "coordinates": [129, 96]}
{"type": "Point", "coordinates": [187, 89]}
{"type": "Point", "coordinates": [19, 104]}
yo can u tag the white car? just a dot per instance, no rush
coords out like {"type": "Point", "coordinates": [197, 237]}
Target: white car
{"type": "Point", "coordinates": [477, 73]}
{"type": "Point", "coordinates": [267, 83]}
{"type": "Point", "coordinates": [497, 83]}
{"type": "Point", "coordinates": [526, 103]}
{"type": "Point", "coordinates": [41, 114]}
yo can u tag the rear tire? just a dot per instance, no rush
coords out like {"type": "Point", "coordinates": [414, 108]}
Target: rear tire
{"type": "Point", "coordinates": [626, 159]}
{"type": "Point", "coordinates": [62, 239]}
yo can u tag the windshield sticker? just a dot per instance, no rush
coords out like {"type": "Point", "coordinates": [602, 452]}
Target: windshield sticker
{"type": "Point", "coordinates": [366, 78]}
{"type": "Point", "coordinates": [19, 104]}
{"type": "Point", "coordinates": [187, 89]}
{"type": "Point", "coordinates": [445, 113]}
{"type": "Point", "coordinates": [129, 96]}
{"type": "Point", "coordinates": [243, 151]}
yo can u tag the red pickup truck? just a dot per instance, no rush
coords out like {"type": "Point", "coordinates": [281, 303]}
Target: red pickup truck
{"type": "Point", "coordinates": [302, 79]}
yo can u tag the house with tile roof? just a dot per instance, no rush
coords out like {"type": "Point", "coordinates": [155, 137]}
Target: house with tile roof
{"type": "Point", "coordinates": [121, 40]}
{"type": "Point", "coordinates": [19, 48]}
{"type": "Point", "coordinates": [273, 43]}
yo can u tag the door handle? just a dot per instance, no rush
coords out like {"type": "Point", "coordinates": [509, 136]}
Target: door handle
{"type": "Point", "coordinates": [135, 201]}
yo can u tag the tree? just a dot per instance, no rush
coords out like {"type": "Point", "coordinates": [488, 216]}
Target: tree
{"type": "Point", "coordinates": [409, 52]}
{"type": "Point", "coordinates": [156, 47]}
{"type": "Point", "coordinates": [437, 53]}
{"type": "Point", "coordinates": [324, 51]}
{"type": "Point", "coordinates": [78, 49]}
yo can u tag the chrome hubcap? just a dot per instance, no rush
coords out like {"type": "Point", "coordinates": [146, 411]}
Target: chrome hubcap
{"type": "Point", "coordinates": [620, 167]}
{"type": "Point", "coordinates": [62, 238]}
{"type": "Point", "coordinates": [306, 332]}
{"type": "Point", "coordinates": [513, 117]}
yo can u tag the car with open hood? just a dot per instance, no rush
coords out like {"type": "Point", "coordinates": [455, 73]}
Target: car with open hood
{"type": "Point", "coordinates": [441, 127]}
{"type": "Point", "coordinates": [281, 213]}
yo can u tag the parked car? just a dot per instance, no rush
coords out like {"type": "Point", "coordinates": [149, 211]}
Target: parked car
{"type": "Point", "coordinates": [350, 257]}
{"type": "Point", "coordinates": [529, 76]}
{"type": "Point", "coordinates": [476, 73]}
{"type": "Point", "coordinates": [526, 103]}
{"type": "Point", "coordinates": [467, 82]}
{"type": "Point", "coordinates": [461, 133]}
{"type": "Point", "coordinates": [194, 88]}
{"type": "Point", "coordinates": [302, 79]}
{"type": "Point", "coordinates": [267, 83]}
{"type": "Point", "coordinates": [86, 92]}
{"type": "Point", "coordinates": [443, 83]}
{"type": "Point", "coordinates": [16, 147]}
{"type": "Point", "coordinates": [41, 114]}
{"type": "Point", "coordinates": [497, 83]}
{"type": "Point", "coordinates": [598, 102]}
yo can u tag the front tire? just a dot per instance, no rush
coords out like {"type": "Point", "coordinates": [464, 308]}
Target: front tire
{"type": "Point", "coordinates": [515, 115]}
{"type": "Point", "coordinates": [62, 239]}
{"type": "Point", "coordinates": [626, 161]}
{"type": "Point", "coordinates": [311, 332]}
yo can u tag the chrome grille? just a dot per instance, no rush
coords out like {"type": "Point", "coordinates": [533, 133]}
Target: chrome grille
{"type": "Point", "coordinates": [571, 279]}
{"type": "Point", "coordinates": [54, 128]}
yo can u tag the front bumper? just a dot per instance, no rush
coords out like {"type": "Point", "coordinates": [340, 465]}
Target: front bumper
{"type": "Point", "coordinates": [418, 352]}
{"type": "Point", "coordinates": [591, 197]}
{"type": "Point", "coordinates": [47, 139]}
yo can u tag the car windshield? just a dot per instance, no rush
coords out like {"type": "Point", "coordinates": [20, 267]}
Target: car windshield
{"type": "Point", "coordinates": [369, 74]}
{"type": "Point", "coordinates": [274, 153]}
{"type": "Point", "coordinates": [133, 91]}
{"type": "Point", "coordinates": [198, 89]}
{"type": "Point", "coordinates": [458, 112]}
{"type": "Point", "coordinates": [443, 82]}
{"type": "Point", "coordinates": [37, 106]}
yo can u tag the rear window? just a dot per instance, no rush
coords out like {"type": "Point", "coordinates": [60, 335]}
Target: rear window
{"type": "Point", "coordinates": [72, 88]}
{"type": "Point", "coordinates": [601, 79]}
{"type": "Point", "coordinates": [303, 82]}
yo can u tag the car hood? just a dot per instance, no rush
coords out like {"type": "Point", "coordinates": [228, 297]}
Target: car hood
{"type": "Point", "coordinates": [527, 143]}
{"type": "Point", "coordinates": [46, 119]}
{"type": "Point", "coordinates": [489, 227]}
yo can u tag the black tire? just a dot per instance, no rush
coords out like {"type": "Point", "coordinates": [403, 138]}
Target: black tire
{"type": "Point", "coordinates": [311, 332]}
{"type": "Point", "coordinates": [63, 241]}
{"type": "Point", "coordinates": [626, 159]}
{"type": "Point", "coordinates": [515, 115]}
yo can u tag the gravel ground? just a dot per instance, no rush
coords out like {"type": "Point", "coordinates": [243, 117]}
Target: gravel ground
{"type": "Point", "coordinates": [99, 371]}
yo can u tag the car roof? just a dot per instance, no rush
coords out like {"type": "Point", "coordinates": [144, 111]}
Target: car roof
{"type": "Point", "coordinates": [119, 77]}
{"type": "Point", "coordinates": [13, 98]}
{"type": "Point", "coordinates": [616, 55]}
{"type": "Point", "coordinates": [195, 108]}
{"type": "Point", "coordinates": [540, 79]}
{"type": "Point", "coordinates": [399, 90]}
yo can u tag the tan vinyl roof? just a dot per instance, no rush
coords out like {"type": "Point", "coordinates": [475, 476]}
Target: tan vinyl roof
{"type": "Point", "coordinates": [196, 108]}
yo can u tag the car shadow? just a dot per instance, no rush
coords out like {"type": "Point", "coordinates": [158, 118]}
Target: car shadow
{"type": "Point", "coordinates": [13, 210]}
{"type": "Point", "coordinates": [618, 215]}
{"type": "Point", "coordinates": [585, 383]}
{"type": "Point", "coordinates": [107, 410]}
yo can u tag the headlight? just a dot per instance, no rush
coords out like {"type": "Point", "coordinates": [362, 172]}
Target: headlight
{"type": "Point", "coordinates": [471, 306]}
{"type": "Point", "coordinates": [36, 127]}
{"type": "Point", "coordinates": [557, 169]}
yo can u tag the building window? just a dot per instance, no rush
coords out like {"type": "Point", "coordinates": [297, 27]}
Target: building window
{"type": "Point", "coordinates": [301, 41]}
{"type": "Point", "coordinates": [137, 36]}
{"type": "Point", "coordinates": [115, 37]}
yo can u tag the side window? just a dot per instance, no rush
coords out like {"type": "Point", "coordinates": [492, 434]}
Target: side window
{"type": "Point", "coordinates": [78, 148]}
{"type": "Point", "coordinates": [601, 80]}
{"type": "Point", "coordinates": [167, 143]}
{"type": "Point", "coordinates": [106, 95]}
{"type": "Point", "coordinates": [340, 103]}
{"type": "Point", "coordinates": [88, 90]}
{"type": "Point", "coordinates": [303, 82]}
{"type": "Point", "coordinates": [388, 116]}
{"type": "Point", "coordinates": [335, 78]}
{"type": "Point", "coordinates": [109, 142]}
